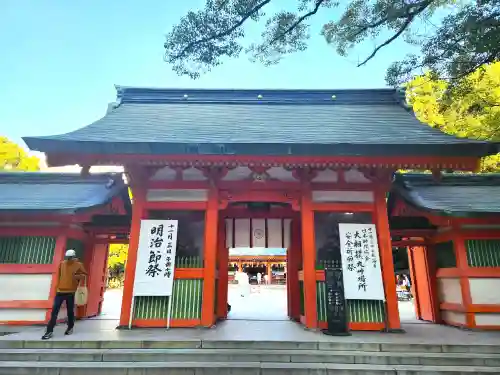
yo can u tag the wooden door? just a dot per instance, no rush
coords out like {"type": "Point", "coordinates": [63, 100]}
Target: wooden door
{"type": "Point", "coordinates": [421, 283]}
{"type": "Point", "coordinates": [97, 279]}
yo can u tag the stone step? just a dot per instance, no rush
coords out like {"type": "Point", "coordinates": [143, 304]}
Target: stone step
{"type": "Point", "coordinates": [223, 368]}
{"type": "Point", "coordinates": [243, 355]}
{"type": "Point", "coordinates": [257, 345]}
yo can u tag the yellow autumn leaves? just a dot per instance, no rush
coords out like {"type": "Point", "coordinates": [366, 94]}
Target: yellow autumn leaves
{"type": "Point", "coordinates": [473, 112]}
{"type": "Point", "coordinates": [14, 158]}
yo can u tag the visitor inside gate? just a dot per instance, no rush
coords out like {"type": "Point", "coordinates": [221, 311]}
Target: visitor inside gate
{"type": "Point", "coordinates": [257, 278]}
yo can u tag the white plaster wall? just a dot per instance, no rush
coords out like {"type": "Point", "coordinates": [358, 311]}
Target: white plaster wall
{"type": "Point", "coordinates": [355, 176]}
{"type": "Point", "coordinates": [485, 291]}
{"type": "Point", "coordinates": [485, 319]}
{"type": "Point", "coordinates": [238, 173]}
{"type": "Point", "coordinates": [31, 287]}
{"type": "Point", "coordinates": [342, 196]}
{"type": "Point", "coordinates": [326, 176]}
{"type": "Point", "coordinates": [450, 290]}
{"type": "Point", "coordinates": [30, 315]}
{"type": "Point", "coordinates": [165, 173]}
{"type": "Point", "coordinates": [281, 174]}
{"type": "Point", "coordinates": [177, 195]}
{"type": "Point", "coordinates": [193, 174]}
{"type": "Point", "coordinates": [453, 317]}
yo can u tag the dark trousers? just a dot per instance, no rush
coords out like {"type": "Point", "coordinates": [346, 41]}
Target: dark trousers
{"type": "Point", "coordinates": [70, 307]}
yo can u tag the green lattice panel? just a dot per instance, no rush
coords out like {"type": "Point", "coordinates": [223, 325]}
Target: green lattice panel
{"type": "Point", "coordinates": [186, 303]}
{"type": "Point", "coordinates": [27, 250]}
{"type": "Point", "coordinates": [302, 298]}
{"type": "Point", "coordinates": [483, 253]}
{"type": "Point", "coordinates": [360, 311]}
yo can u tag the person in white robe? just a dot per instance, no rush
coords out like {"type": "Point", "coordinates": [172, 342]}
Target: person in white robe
{"type": "Point", "coordinates": [243, 283]}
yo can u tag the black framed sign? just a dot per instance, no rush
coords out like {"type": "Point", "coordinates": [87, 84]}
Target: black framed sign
{"type": "Point", "coordinates": [336, 307]}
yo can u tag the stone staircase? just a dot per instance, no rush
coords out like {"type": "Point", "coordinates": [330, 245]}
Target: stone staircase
{"type": "Point", "coordinates": [134, 357]}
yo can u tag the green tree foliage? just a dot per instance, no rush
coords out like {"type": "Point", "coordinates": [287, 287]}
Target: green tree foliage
{"type": "Point", "coordinates": [14, 158]}
{"type": "Point", "coordinates": [455, 38]}
{"type": "Point", "coordinates": [472, 110]}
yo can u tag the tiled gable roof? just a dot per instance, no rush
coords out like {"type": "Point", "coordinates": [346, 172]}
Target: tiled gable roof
{"type": "Point", "coordinates": [58, 193]}
{"type": "Point", "coordinates": [259, 122]}
{"type": "Point", "coordinates": [453, 194]}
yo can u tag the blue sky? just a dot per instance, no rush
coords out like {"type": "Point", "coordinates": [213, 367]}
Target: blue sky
{"type": "Point", "coordinates": [61, 59]}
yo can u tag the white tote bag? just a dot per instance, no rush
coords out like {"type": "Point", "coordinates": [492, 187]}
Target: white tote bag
{"type": "Point", "coordinates": [82, 294]}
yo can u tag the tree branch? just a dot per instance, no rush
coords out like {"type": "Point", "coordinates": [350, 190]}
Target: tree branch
{"type": "Point", "coordinates": [224, 3]}
{"type": "Point", "coordinates": [224, 33]}
{"type": "Point", "coordinates": [410, 16]}
{"type": "Point", "coordinates": [387, 42]}
{"type": "Point", "coordinates": [299, 21]}
{"type": "Point", "coordinates": [380, 22]}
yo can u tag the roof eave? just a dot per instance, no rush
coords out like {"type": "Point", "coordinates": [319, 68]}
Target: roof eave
{"type": "Point", "coordinates": [116, 191]}
{"type": "Point", "coordinates": [57, 146]}
{"type": "Point", "coordinates": [409, 198]}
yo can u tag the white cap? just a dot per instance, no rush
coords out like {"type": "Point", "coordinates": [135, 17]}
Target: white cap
{"type": "Point", "coordinates": [71, 253]}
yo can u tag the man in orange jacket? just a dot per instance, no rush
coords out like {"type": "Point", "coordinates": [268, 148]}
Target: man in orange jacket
{"type": "Point", "coordinates": [70, 273]}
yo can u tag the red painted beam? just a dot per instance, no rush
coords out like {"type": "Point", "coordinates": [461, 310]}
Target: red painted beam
{"type": "Point", "coordinates": [343, 207]}
{"type": "Point", "coordinates": [413, 232]}
{"type": "Point", "coordinates": [423, 162]}
{"type": "Point", "coordinates": [23, 304]}
{"type": "Point", "coordinates": [26, 268]}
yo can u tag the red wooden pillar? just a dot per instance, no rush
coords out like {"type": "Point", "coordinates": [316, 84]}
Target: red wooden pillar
{"type": "Point", "coordinates": [292, 277]}
{"type": "Point", "coordinates": [59, 250]}
{"type": "Point", "coordinates": [210, 258]}
{"type": "Point", "coordinates": [309, 259]}
{"type": "Point", "coordinates": [139, 198]}
{"type": "Point", "coordinates": [381, 221]}
{"type": "Point", "coordinates": [463, 265]}
{"type": "Point", "coordinates": [223, 260]}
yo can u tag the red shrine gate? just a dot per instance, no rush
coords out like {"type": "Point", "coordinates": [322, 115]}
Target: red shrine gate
{"type": "Point", "coordinates": [303, 200]}
{"type": "Point", "coordinates": [193, 155]}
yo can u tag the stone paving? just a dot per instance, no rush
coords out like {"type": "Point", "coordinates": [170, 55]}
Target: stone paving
{"type": "Point", "coordinates": [261, 316]}
{"type": "Point", "coordinates": [262, 331]}
{"type": "Point", "coordinates": [263, 303]}
{"type": "Point", "coordinates": [247, 344]}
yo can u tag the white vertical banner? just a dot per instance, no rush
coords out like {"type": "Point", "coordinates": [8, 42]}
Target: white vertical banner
{"type": "Point", "coordinates": [242, 233]}
{"type": "Point", "coordinates": [154, 273]}
{"type": "Point", "coordinates": [229, 233]}
{"type": "Point", "coordinates": [361, 262]}
{"type": "Point", "coordinates": [287, 230]}
{"type": "Point", "coordinates": [259, 233]}
{"type": "Point", "coordinates": [275, 233]}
